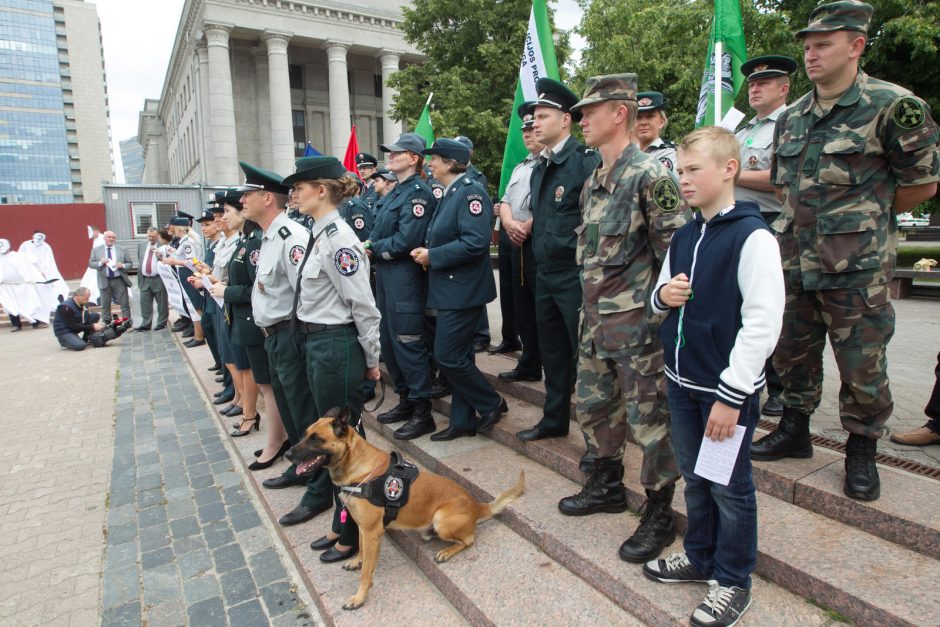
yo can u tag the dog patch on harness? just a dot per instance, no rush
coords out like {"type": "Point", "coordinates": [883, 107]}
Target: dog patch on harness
{"type": "Point", "coordinates": [393, 488]}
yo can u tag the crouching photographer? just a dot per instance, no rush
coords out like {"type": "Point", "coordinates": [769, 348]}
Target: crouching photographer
{"type": "Point", "coordinates": [76, 328]}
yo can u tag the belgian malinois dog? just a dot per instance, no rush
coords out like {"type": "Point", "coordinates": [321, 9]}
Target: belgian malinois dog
{"type": "Point", "coordinates": [435, 504]}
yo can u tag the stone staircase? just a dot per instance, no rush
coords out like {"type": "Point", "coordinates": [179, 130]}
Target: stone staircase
{"type": "Point", "coordinates": [823, 558]}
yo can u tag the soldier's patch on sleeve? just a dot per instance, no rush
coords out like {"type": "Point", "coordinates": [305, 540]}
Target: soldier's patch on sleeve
{"type": "Point", "coordinates": [417, 207]}
{"type": "Point", "coordinates": [331, 229]}
{"type": "Point", "coordinates": [359, 223]}
{"type": "Point", "coordinates": [187, 249]}
{"type": "Point", "coordinates": [297, 254]}
{"type": "Point", "coordinates": [438, 192]}
{"type": "Point", "coordinates": [284, 232]}
{"type": "Point", "coordinates": [909, 113]}
{"type": "Point", "coordinates": [666, 194]}
{"type": "Point", "coordinates": [253, 257]}
{"type": "Point", "coordinates": [666, 161]}
{"type": "Point", "coordinates": [346, 261]}
{"type": "Point", "coordinates": [475, 203]}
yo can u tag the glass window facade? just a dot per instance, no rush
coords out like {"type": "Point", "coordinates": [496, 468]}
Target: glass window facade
{"type": "Point", "coordinates": [34, 149]}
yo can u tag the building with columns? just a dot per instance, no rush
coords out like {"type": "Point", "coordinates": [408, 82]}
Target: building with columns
{"type": "Point", "coordinates": [254, 80]}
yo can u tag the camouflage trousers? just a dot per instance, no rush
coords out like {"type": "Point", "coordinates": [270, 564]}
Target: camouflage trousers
{"type": "Point", "coordinates": [859, 323]}
{"type": "Point", "coordinates": [627, 394]}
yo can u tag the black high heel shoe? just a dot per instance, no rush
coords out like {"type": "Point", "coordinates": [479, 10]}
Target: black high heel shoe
{"type": "Point", "coordinates": [270, 462]}
{"type": "Point", "coordinates": [237, 433]}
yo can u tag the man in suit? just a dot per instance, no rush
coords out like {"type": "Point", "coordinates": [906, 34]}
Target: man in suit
{"type": "Point", "coordinates": [112, 263]}
{"type": "Point", "coordinates": [150, 284]}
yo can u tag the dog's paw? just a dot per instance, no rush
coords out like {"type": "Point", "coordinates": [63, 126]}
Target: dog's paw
{"type": "Point", "coordinates": [353, 565]}
{"type": "Point", "coordinates": [354, 602]}
{"type": "Point", "coordinates": [442, 556]}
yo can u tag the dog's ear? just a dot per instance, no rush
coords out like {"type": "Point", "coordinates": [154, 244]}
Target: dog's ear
{"type": "Point", "coordinates": [340, 420]}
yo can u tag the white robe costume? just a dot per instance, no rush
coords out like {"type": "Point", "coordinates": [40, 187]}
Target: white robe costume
{"type": "Point", "coordinates": [52, 285]}
{"type": "Point", "coordinates": [90, 278]}
{"type": "Point", "coordinates": [18, 294]}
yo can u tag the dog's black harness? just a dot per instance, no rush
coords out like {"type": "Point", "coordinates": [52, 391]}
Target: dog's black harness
{"type": "Point", "coordinates": [389, 490]}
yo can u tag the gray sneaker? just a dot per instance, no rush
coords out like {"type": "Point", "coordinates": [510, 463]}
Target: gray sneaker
{"type": "Point", "coordinates": [674, 569]}
{"type": "Point", "coordinates": [722, 606]}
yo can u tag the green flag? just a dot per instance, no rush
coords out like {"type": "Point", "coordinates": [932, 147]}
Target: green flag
{"type": "Point", "coordinates": [424, 128]}
{"type": "Point", "coordinates": [727, 45]}
{"type": "Point", "coordinates": [538, 61]}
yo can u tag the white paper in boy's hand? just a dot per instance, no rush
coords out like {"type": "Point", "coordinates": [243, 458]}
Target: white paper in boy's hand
{"type": "Point", "coordinates": [716, 459]}
{"type": "Point", "coordinates": [731, 119]}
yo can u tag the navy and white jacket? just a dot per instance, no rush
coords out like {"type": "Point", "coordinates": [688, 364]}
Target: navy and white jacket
{"type": "Point", "coordinates": [719, 340]}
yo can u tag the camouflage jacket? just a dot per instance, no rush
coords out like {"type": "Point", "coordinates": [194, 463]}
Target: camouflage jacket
{"type": "Point", "coordinates": [629, 217]}
{"type": "Point", "coordinates": [839, 174]}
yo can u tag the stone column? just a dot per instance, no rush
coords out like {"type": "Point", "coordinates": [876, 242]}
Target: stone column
{"type": "Point", "coordinates": [391, 128]}
{"type": "Point", "coordinates": [205, 141]}
{"type": "Point", "coordinates": [340, 125]}
{"type": "Point", "coordinates": [264, 106]}
{"type": "Point", "coordinates": [282, 130]}
{"type": "Point", "coordinates": [223, 167]}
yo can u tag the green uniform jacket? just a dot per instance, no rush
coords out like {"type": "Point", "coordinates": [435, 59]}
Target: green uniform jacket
{"type": "Point", "coordinates": [241, 275]}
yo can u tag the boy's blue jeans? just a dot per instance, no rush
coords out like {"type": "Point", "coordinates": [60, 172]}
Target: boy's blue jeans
{"type": "Point", "coordinates": [722, 538]}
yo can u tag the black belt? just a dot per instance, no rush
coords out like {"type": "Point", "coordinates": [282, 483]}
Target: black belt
{"type": "Point", "coordinates": [274, 328]}
{"type": "Point", "coordinates": [311, 327]}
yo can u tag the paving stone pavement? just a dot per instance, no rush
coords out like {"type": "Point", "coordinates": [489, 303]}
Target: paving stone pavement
{"type": "Point", "coordinates": [185, 542]}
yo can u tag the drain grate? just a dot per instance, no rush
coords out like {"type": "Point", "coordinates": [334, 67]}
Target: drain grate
{"type": "Point", "coordinates": [886, 460]}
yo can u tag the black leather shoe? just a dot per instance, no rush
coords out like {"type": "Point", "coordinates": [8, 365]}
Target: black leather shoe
{"type": "Point", "coordinates": [861, 474]}
{"type": "Point", "coordinates": [402, 411]}
{"type": "Point", "coordinates": [223, 399]}
{"type": "Point", "coordinates": [487, 421]}
{"type": "Point", "coordinates": [323, 543]}
{"type": "Point", "coordinates": [179, 325]}
{"type": "Point", "coordinates": [141, 328]}
{"type": "Point", "coordinates": [301, 514]}
{"type": "Point", "coordinates": [603, 491]}
{"type": "Point", "coordinates": [415, 428]}
{"type": "Point", "coordinates": [195, 343]}
{"type": "Point", "coordinates": [159, 327]}
{"type": "Point", "coordinates": [282, 481]}
{"type": "Point", "coordinates": [235, 411]}
{"type": "Point", "coordinates": [440, 389]}
{"type": "Point", "coordinates": [259, 452]}
{"type": "Point", "coordinates": [503, 348]}
{"type": "Point", "coordinates": [773, 407]}
{"type": "Point", "coordinates": [189, 332]}
{"type": "Point", "coordinates": [227, 411]}
{"type": "Point", "coordinates": [789, 439]}
{"type": "Point", "coordinates": [540, 433]}
{"type": "Point", "coordinates": [657, 528]}
{"type": "Point", "coordinates": [220, 379]}
{"type": "Point", "coordinates": [480, 346]}
{"type": "Point", "coordinates": [215, 368]}
{"type": "Point", "coordinates": [452, 433]}
{"type": "Point", "coordinates": [518, 375]}
{"type": "Point", "coordinates": [332, 555]}
{"type": "Point", "coordinates": [259, 465]}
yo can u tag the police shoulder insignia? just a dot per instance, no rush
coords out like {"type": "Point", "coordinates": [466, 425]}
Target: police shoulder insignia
{"type": "Point", "coordinates": [331, 229]}
{"type": "Point", "coordinates": [417, 206]}
{"type": "Point", "coordinates": [438, 192]}
{"type": "Point", "coordinates": [284, 232]}
{"type": "Point", "coordinates": [297, 254]}
{"type": "Point", "coordinates": [475, 203]}
{"type": "Point", "coordinates": [346, 261]}
{"type": "Point", "coordinates": [666, 194]}
{"type": "Point", "coordinates": [253, 256]}
{"type": "Point", "coordinates": [666, 161]}
{"type": "Point", "coordinates": [909, 112]}
{"type": "Point", "coordinates": [187, 249]}
{"type": "Point", "coordinates": [359, 223]}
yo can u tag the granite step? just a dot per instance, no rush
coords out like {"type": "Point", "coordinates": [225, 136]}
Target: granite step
{"type": "Point", "coordinates": [861, 576]}
{"type": "Point", "coordinates": [908, 512]}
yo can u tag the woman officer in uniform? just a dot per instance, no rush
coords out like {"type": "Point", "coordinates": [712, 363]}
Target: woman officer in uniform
{"type": "Point", "coordinates": [460, 283]}
{"type": "Point", "coordinates": [336, 312]}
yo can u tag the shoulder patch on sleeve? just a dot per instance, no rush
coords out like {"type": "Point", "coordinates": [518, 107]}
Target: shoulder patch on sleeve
{"type": "Point", "coordinates": [666, 194]}
{"type": "Point", "coordinates": [417, 207]}
{"type": "Point", "coordinates": [475, 204]}
{"type": "Point", "coordinates": [346, 261]}
{"type": "Point", "coordinates": [666, 161]}
{"type": "Point", "coordinates": [284, 232]}
{"type": "Point", "coordinates": [909, 112]}
{"type": "Point", "coordinates": [254, 255]}
{"type": "Point", "coordinates": [331, 229]}
{"type": "Point", "coordinates": [297, 254]}
{"type": "Point", "coordinates": [359, 222]}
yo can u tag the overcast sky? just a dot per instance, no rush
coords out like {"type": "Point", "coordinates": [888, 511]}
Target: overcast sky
{"type": "Point", "coordinates": [138, 39]}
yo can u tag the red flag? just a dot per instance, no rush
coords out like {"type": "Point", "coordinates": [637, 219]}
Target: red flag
{"type": "Point", "coordinates": [352, 149]}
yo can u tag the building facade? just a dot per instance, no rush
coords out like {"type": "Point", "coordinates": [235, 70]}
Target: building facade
{"type": "Point", "coordinates": [132, 160]}
{"type": "Point", "coordinates": [55, 144]}
{"type": "Point", "coordinates": [254, 80]}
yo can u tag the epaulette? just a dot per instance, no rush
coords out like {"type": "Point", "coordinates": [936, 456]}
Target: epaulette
{"type": "Point", "coordinates": [667, 143]}
{"type": "Point", "coordinates": [284, 232]}
{"type": "Point", "coordinates": [331, 229]}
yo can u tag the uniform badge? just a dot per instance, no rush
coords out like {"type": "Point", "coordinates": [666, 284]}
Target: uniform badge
{"type": "Point", "coordinates": [346, 261]}
{"type": "Point", "coordinates": [331, 229]}
{"type": "Point", "coordinates": [241, 253]}
{"type": "Point", "coordinates": [760, 68]}
{"type": "Point", "coordinates": [752, 162]}
{"type": "Point", "coordinates": [476, 207]}
{"type": "Point", "coordinates": [909, 113]}
{"type": "Point", "coordinates": [559, 192]}
{"type": "Point", "coordinates": [417, 209]}
{"type": "Point", "coordinates": [297, 254]}
{"type": "Point", "coordinates": [284, 232]}
{"type": "Point", "coordinates": [187, 249]}
{"type": "Point", "coordinates": [666, 195]}
{"type": "Point", "coordinates": [253, 257]}
{"type": "Point", "coordinates": [359, 223]}
{"type": "Point", "coordinates": [438, 192]}
{"type": "Point", "coordinates": [645, 102]}
{"type": "Point", "coordinates": [393, 488]}
{"type": "Point", "coordinates": [666, 161]}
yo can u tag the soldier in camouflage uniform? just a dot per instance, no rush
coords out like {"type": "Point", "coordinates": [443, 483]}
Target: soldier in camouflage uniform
{"type": "Point", "coordinates": [630, 208]}
{"type": "Point", "coordinates": [847, 157]}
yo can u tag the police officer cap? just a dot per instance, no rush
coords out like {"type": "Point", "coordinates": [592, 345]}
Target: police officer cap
{"type": "Point", "coordinates": [768, 66]}
{"type": "Point", "coordinates": [450, 149]}
{"type": "Point", "coordinates": [231, 197]}
{"type": "Point", "coordinates": [526, 112]}
{"type": "Point", "coordinates": [181, 219]}
{"type": "Point", "coordinates": [650, 101]}
{"type": "Point", "coordinates": [406, 142]}
{"type": "Point", "coordinates": [610, 87]}
{"type": "Point", "coordinates": [554, 94]}
{"type": "Point", "coordinates": [216, 203]}
{"type": "Point", "coordinates": [315, 168]}
{"type": "Point", "coordinates": [257, 179]}
{"type": "Point", "coordinates": [463, 139]}
{"type": "Point", "coordinates": [364, 159]}
{"type": "Point", "coordinates": [384, 173]}
{"type": "Point", "coordinates": [207, 216]}
{"type": "Point", "coordinates": [843, 15]}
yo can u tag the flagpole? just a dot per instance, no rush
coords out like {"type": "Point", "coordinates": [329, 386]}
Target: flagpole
{"type": "Point", "coordinates": [718, 71]}
{"type": "Point", "coordinates": [428, 103]}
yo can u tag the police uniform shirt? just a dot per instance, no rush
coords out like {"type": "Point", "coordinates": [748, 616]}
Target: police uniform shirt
{"type": "Point", "coordinates": [518, 191]}
{"type": "Point", "coordinates": [665, 152]}
{"type": "Point", "coordinates": [224, 250]}
{"type": "Point", "coordinates": [402, 223]}
{"type": "Point", "coordinates": [334, 284]}
{"type": "Point", "coordinates": [282, 249]}
{"type": "Point", "coordinates": [757, 149]}
{"type": "Point", "coordinates": [189, 248]}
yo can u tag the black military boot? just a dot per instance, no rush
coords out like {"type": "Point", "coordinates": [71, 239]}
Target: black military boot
{"type": "Point", "coordinates": [421, 422]}
{"type": "Point", "coordinates": [861, 473]}
{"type": "Point", "coordinates": [402, 411]}
{"type": "Point", "coordinates": [657, 528]}
{"type": "Point", "coordinates": [789, 439]}
{"type": "Point", "coordinates": [603, 492]}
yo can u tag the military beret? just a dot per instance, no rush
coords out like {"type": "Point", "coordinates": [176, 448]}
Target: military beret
{"type": "Point", "coordinates": [364, 159]}
{"type": "Point", "coordinates": [463, 139]}
{"type": "Point", "coordinates": [450, 149]}
{"type": "Point", "coordinates": [844, 15]}
{"type": "Point", "coordinates": [257, 179]}
{"type": "Point", "coordinates": [207, 216]}
{"type": "Point", "coordinates": [526, 111]}
{"type": "Point", "coordinates": [768, 66]}
{"type": "Point", "coordinates": [555, 95]}
{"type": "Point", "coordinates": [609, 87]}
{"type": "Point", "coordinates": [384, 173]}
{"type": "Point", "coordinates": [315, 168]}
{"type": "Point", "coordinates": [650, 101]}
{"type": "Point", "coordinates": [406, 142]}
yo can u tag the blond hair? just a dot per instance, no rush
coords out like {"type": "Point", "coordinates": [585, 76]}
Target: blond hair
{"type": "Point", "coordinates": [716, 142]}
{"type": "Point", "coordinates": [339, 189]}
